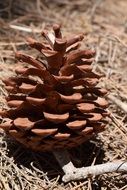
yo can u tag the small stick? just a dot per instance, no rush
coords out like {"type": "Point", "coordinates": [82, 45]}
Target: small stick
{"type": "Point", "coordinates": [25, 29]}
{"type": "Point", "coordinates": [63, 159]}
{"type": "Point", "coordinates": [119, 125]}
{"type": "Point", "coordinates": [119, 103]}
{"type": "Point", "coordinates": [73, 173]}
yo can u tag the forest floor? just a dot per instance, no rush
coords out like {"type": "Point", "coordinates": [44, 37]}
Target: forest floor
{"type": "Point", "coordinates": [104, 23]}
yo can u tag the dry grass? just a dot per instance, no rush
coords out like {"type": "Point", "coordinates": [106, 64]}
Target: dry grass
{"type": "Point", "coordinates": [104, 24]}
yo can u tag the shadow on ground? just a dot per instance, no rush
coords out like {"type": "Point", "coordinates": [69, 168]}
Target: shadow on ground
{"type": "Point", "coordinates": [83, 155]}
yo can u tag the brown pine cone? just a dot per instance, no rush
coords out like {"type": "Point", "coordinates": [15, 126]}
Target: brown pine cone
{"type": "Point", "coordinates": [54, 103]}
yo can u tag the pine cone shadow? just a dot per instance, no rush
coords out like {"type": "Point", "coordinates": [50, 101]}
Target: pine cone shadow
{"type": "Point", "coordinates": [81, 156]}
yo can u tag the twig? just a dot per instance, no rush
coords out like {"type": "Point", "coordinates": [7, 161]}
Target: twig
{"type": "Point", "coordinates": [73, 173]}
{"type": "Point", "coordinates": [96, 5]}
{"type": "Point", "coordinates": [123, 187]}
{"type": "Point", "coordinates": [89, 184]}
{"type": "Point", "coordinates": [3, 182]}
{"type": "Point", "coordinates": [119, 103]}
{"type": "Point", "coordinates": [8, 43]}
{"type": "Point", "coordinates": [80, 185]}
{"type": "Point", "coordinates": [25, 29]}
{"type": "Point", "coordinates": [119, 125]}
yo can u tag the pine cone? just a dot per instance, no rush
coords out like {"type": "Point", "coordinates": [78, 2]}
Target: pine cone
{"type": "Point", "coordinates": [54, 101]}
